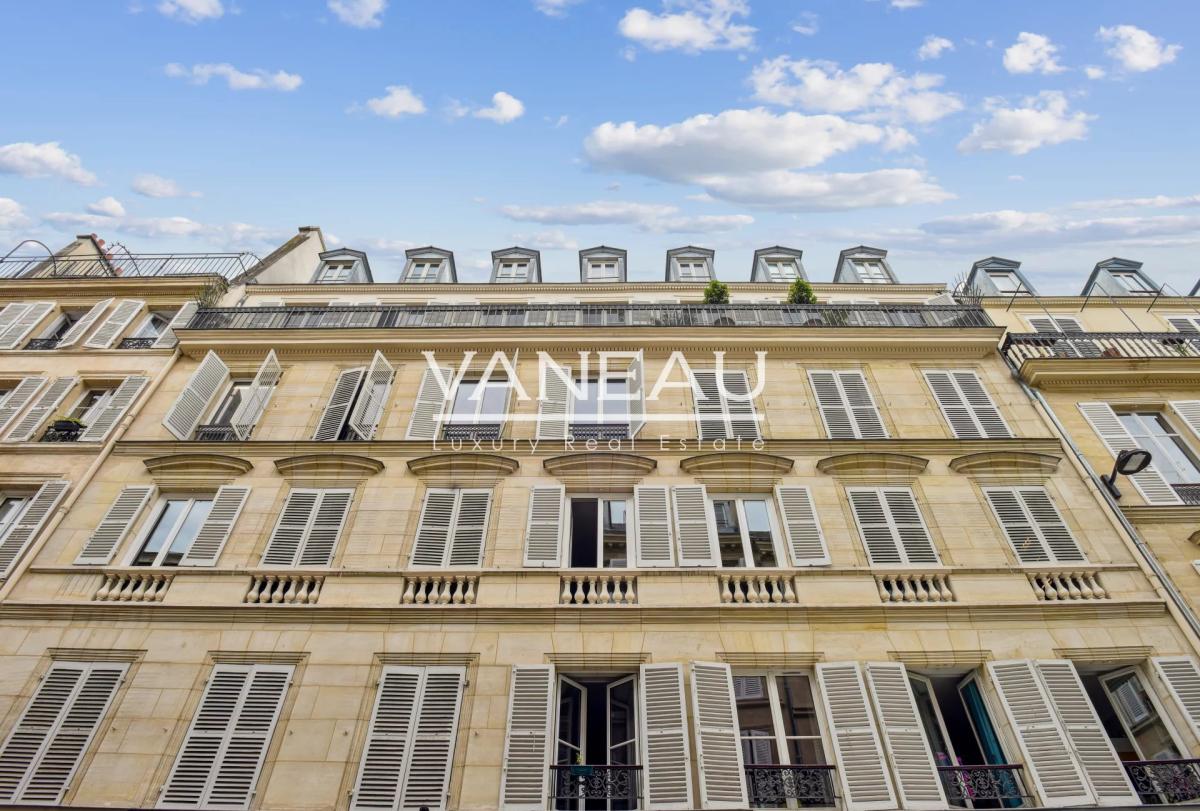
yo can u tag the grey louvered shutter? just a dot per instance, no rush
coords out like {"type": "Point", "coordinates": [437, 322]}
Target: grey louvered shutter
{"type": "Point", "coordinates": [42, 753]}
{"type": "Point", "coordinates": [695, 528]}
{"type": "Point", "coordinates": [1033, 525]}
{"type": "Point", "coordinates": [217, 527]}
{"type": "Point", "coordinates": [710, 410]}
{"type": "Point", "coordinates": [878, 536]}
{"type": "Point", "coordinates": [801, 528]}
{"type": "Point", "coordinates": [891, 526]}
{"type": "Point", "coordinates": [846, 404]}
{"type": "Point", "coordinates": [76, 330]}
{"type": "Point", "coordinates": [1150, 483]}
{"type": "Point", "coordinates": [18, 398]}
{"type": "Point", "coordinates": [114, 527]}
{"type": "Point", "coordinates": [257, 396]}
{"type": "Point", "coordinates": [434, 527]}
{"type": "Point", "coordinates": [1184, 324]}
{"type": "Point", "coordinates": [470, 527]}
{"type": "Point", "coordinates": [739, 405]}
{"type": "Point", "coordinates": [428, 775]}
{"type": "Point", "coordinates": [1182, 678]}
{"type": "Point", "coordinates": [119, 403]}
{"type": "Point", "coordinates": [45, 404]}
{"type": "Point", "coordinates": [554, 405]}
{"type": "Point", "coordinates": [168, 338]}
{"type": "Point", "coordinates": [430, 404]}
{"type": "Point", "coordinates": [664, 730]}
{"type": "Point", "coordinates": [107, 333]}
{"type": "Point", "coordinates": [917, 779]}
{"type": "Point", "coordinates": [368, 408]}
{"type": "Point", "coordinates": [966, 405]}
{"type": "Point", "coordinates": [389, 740]}
{"type": "Point", "coordinates": [24, 322]}
{"type": "Point", "coordinates": [545, 525]}
{"type": "Point", "coordinates": [866, 784]}
{"type": "Point", "coordinates": [333, 418]}
{"type": "Point", "coordinates": [291, 528]}
{"type": "Point", "coordinates": [205, 384]}
{"type": "Point", "coordinates": [29, 523]}
{"type": "Point", "coordinates": [325, 529]}
{"type": "Point", "coordinates": [652, 526]}
{"type": "Point", "coordinates": [718, 747]}
{"type": "Point", "coordinates": [528, 738]}
{"type": "Point", "coordinates": [637, 394]}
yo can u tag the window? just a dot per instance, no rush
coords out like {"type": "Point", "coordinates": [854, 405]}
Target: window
{"type": "Point", "coordinates": [603, 270]}
{"type": "Point", "coordinates": [172, 531]}
{"type": "Point", "coordinates": [778, 721]}
{"type": "Point", "coordinates": [230, 403]}
{"type": "Point", "coordinates": [10, 509]}
{"type": "Point", "coordinates": [425, 270]}
{"type": "Point", "coordinates": [309, 528]}
{"type": "Point", "coordinates": [1132, 284]}
{"type": "Point", "coordinates": [600, 532]}
{"type": "Point", "coordinates": [478, 409]}
{"type": "Point", "coordinates": [746, 534]}
{"type": "Point", "coordinates": [355, 406]}
{"type": "Point", "coordinates": [512, 270]}
{"type": "Point", "coordinates": [59, 326]}
{"type": "Point", "coordinates": [871, 271]}
{"type": "Point", "coordinates": [891, 527]}
{"type": "Point", "coordinates": [90, 404]}
{"type": "Point", "coordinates": [1172, 457]}
{"type": "Point", "coordinates": [1006, 282]}
{"type": "Point", "coordinates": [1033, 525]}
{"type": "Point", "coordinates": [725, 406]}
{"type": "Point", "coordinates": [846, 404]}
{"type": "Point", "coordinates": [152, 326]}
{"type": "Point", "coordinates": [452, 528]}
{"type": "Point", "coordinates": [333, 272]}
{"type": "Point", "coordinates": [692, 270]}
{"type": "Point", "coordinates": [966, 404]}
{"type": "Point", "coordinates": [603, 410]}
{"type": "Point", "coordinates": [781, 269]}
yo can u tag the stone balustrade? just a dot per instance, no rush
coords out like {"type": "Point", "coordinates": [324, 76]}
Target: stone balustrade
{"type": "Point", "coordinates": [757, 588]}
{"type": "Point", "coordinates": [134, 587]}
{"type": "Point", "coordinates": [437, 589]}
{"type": "Point", "coordinates": [919, 587]}
{"type": "Point", "coordinates": [1060, 586]}
{"type": "Point", "coordinates": [286, 589]}
{"type": "Point", "coordinates": [598, 589]}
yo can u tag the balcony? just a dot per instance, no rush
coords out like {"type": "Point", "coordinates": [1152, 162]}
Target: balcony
{"type": "Point", "coordinates": [63, 431]}
{"type": "Point", "coordinates": [141, 265]}
{"type": "Point", "coordinates": [41, 344]}
{"type": "Point", "coordinates": [570, 785]}
{"type": "Point", "coordinates": [215, 433]}
{"type": "Point", "coordinates": [598, 430]}
{"type": "Point", "coordinates": [136, 343]}
{"type": "Point", "coordinates": [786, 786]}
{"type": "Point", "coordinates": [985, 786]}
{"type": "Point", "coordinates": [1188, 493]}
{"type": "Point", "coordinates": [1056, 358]}
{"type": "Point", "coordinates": [1164, 782]}
{"type": "Point", "coordinates": [478, 431]}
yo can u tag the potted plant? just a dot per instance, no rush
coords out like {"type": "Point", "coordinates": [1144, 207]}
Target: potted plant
{"type": "Point", "coordinates": [716, 293]}
{"type": "Point", "coordinates": [68, 425]}
{"type": "Point", "coordinates": [801, 292]}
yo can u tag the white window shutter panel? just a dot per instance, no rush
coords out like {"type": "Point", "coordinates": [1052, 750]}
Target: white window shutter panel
{"type": "Point", "coordinates": [954, 407]}
{"type": "Point", "coordinates": [652, 526]}
{"type": "Point", "coordinates": [120, 402]}
{"type": "Point", "coordinates": [695, 528]}
{"type": "Point", "coordinates": [368, 409]}
{"type": "Point", "coordinates": [114, 527]}
{"type": "Point", "coordinates": [801, 527]}
{"type": "Point", "coordinates": [1150, 483]}
{"type": "Point", "coordinates": [528, 738]}
{"type": "Point", "coordinates": [168, 338]}
{"type": "Point", "coordinates": [470, 527]}
{"type": "Point", "coordinates": [76, 330]}
{"type": "Point", "coordinates": [867, 422]}
{"type": "Point", "coordinates": [1189, 412]}
{"type": "Point", "coordinates": [834, 411]}
{"type": "Point", "coordinates": [430, 404]}
{"type": "Point", "coordinates": [554, 410]}
{"type": "Point", "coordinates": [18, 398]}
{"type": "Point", "coordinates": [637, 392]}
{"type": "Point", "coordinates": [743, 420]}
{"type": "Point", "coordinates": [846, 404]}
{"type": "Point", "coordinates": [874, 527]}
{"type": "Point", "coordinates": [388, 749]}
{"type": "Point", "coordinates": [664, 732]}
{"type": "Point", "coordinates": [9, 314]}
{"type": "Point", "coordinates": [977, 398]}
{"type": "Point", "coordinates": [107, 333]}
{"type": "Point", "coordinates": [1183, 325]}
{"type": "Point", "coordinates": [217, 527]}
{"type": "Point", "coordinates": [866, 784]}
{"type": "Point", "coordinates": [333, 418]}
{"type": "Point", "coordinates": [434, 528]}
{"type": "Point", "coordinates": [910, 527]}
{"type": "Point", "coordinates": [1027, 543]}
{"type": "Point", "coordinates": [711, 418]}
{"type": "Point", "coordinates": [29, 523]}
{"type": "Point", "coordinates": [325, 529]}
{"type": "Point", "coordinates": [718, 748]}
{"type": "Point", "coordinates": [45, 404]}
{"type": "Point", "coordinates": [291, 529]}
{"type": "Point", "coordinates": [206, 383]}
{"type": "Point", "coordinates": [257, 396]}
{"type": "Point", "coordinates": [545, 525]}
{"type": "Point", "coordinates": [50, 738]}
{"type": "Point", "coordinates": [23, 324]}
{"type": "Point", "coordinates": [917, 780]}
{"type": "Point", "coordinates": [428, 774]}
{"type": "Point", "coordinates": [1033, 525]}
{"type": "Point", "coordinates": [1182, 678]}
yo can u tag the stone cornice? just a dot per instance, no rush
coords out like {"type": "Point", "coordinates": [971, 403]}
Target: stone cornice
{"type": "Point", "coordinates": [424, 291]}
{"type": "Point", "coordinates": [1005, 463]}
{"type": "Point", "coordinates": [1094, 373]}
{"type": "Point", "coordinates": [1039, 304]}
{"type": "Point", "coordinates": [82, 290]}
{"type": "Point", "coordinates": [462, 469]}
{"type": "Point", "coordinates": [1164, 514]}
{"type": "Point", "coordinates": [181, 469]}
{"type": "Point", "coordinates": [600, 470]}
{"type": "Point", "coordinates": [873, 464]}
{"type": "Point", "coordinates": [737, 469]}
{"type": "Point", "coordinates": [320, 467]}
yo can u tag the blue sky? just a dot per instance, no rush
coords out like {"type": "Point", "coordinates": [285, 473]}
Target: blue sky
{"type": "Point", "coordinates": [1055, 133]}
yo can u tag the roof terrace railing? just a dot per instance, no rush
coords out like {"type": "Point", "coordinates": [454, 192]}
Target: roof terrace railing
{"type": "Point", "coordinates": [1020, 347]}
{"type": "Point", "coordinates": [141, 265]}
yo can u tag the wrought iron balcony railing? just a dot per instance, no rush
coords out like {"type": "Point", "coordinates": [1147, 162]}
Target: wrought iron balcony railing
{"type": "Point", "coordinates": [1020, 347]}
{"type": "Point", "coordinates": [215, 433]}
{"type": "Point", "coordinates": [226, 265]}
{"type": "Point", "coordinates": [598, 430]}
{"type": "Point", "coordinates": [570, 784]}
{"type": "Point", "coordinates": [773, 786]}
{"type": "Point", "coordinates": [1188, 493]}
{"type": "Point", "coordinates": [41, 344]}
{"type": "Point", "coordinates": [471, 431]}
{"type": "Point", "coordinates": [985, 786]}
{"type": "Point", "coordinates": [1163, 782]}
{"type": "Point", "coordinates": [547, 316]}
{"type": "Point", "coordinates": [137, 343]}
{"type": "Point", "coordinates": [62, 433]}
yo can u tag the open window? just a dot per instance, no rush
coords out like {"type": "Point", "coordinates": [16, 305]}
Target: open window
{"type": "Point", "coordinates": [599, 532]}
{"type": "Point", "coordinates": [748, 535]}
{"type": "Point", "coordinates": [477, 409]}
{"type": "Point", "coordinates": [356, 404]}
{"type": "Point", "coordinates": [183, 529]}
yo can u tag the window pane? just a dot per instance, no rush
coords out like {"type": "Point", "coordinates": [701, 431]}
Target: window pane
{"type": "Point", "coordinates": [1149, 734]}
{"type": "Point", "coordinates": [729, 533]}
{"type": "Point", "coordinates": [162, 529]}
{"type": "Point", "coordinates": [806, 751]}
{"type": "Point", "coordinates": [796, 705]}
{"type": "Point", "coordinates": [230, 405]}
{"type": "Point", "coordinates": [615, 537]}
{"type": "Point", "coordinates": [758, 524]}
{"type": "Point", "coordinates": [9, 509]}
{"type": "Point", "coordinates": [616, 406]}
{"type": "Point", "coordinates": [586, 406]}
{"type": "Point", "coordinates": [187, 533]}
{"type": "Point", "coordinates": [933, 730]}
{"type": "Point", "coordinates": [495, 398]}
{"type": "Point", "coordinates": [464, 407]}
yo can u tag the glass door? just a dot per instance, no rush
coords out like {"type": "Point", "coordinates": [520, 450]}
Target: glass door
{"type": "Point", "coordinates": [570, 748]}
{"type": "Point", "coordinates": [621, 711]}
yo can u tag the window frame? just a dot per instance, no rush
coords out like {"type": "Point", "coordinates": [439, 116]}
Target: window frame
{"type": "Point", "coordinates": [147, 323]}
{"type": "Point", "coordinates": [997, 275]}
{"type": "Point", "coordinates": [867, 269]}
{"type": "Point", "coordinates": [342, 266]}
{"type": "Point", "coordinates": [692, 262]}
{"type": "Point", "coordinates": [630, 533]}
{"type": "Point", "coordinates": [105, 395]}
{"type": "Point", "coordinates": [770, 263]}
{"type": "Point", "coordinates": [511, 278]}
{"type": "Point", "coordinates": [782, 554]}
{"type": "Point", "coordinates": [1151, 693]}
{"type": "Point", "coordinates": [603, 261]}
{"type": "Point", "coordinates": [779, 728]}
{"type": "Point", "coordinates": [151, 523]}
{"type": "Point", "coordinates": [219, 403]}
{"type": "Point", "coordinates": [437, 264]}
{"type": "Point", "coordinates": [23, 498]}
{"type": "Point", "coordinates": [1162, 461]}
{"type": "Point", "coordinates": [1140, 286]}
{"type": "Point", "coordinates": [596, 378]}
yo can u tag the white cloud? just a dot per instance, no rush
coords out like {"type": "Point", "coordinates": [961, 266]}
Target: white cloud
{"type": "Point", "coordinates": [359, 13]}
{"type": "Point", "coordinates": [598, 212]}
{"type": "Point", "coordinates": [1157, 201]}
{"type": "Point", "coordinates": [107, 207]}
{"type": "Point", "coordinates": [1137, 50]}
{"type": "Point", "coordinates": [806, 24]}
{"type": "Point", "coordinates": [256, 79]}
{"type": "Point", "coordinates": [873, 88]}
{"type": "Point", "coordinates": [703, 224]}
{"type": "Point", "coordinates": [907, 4]}
{"type": "Point", "coordinates": [399, 100]}
{"type": "Point", "coordinates": [1094, 72]}
{"type": "Point", "coordinates": [1032, 53]}
{"type": "Point", "coordinates": [191, 11]}
{"type": "Point", "coordinates": [691, 26]}
{"type": "Point", "coordinates": [1044, 120]}
{"type": "Point", "coordinates": [834, 191]}
{"type": "Point", "coordinates": [505, 109]}
{"type": "Point", "coordinates": [554, 240]}
{"type": "Point", "coordinates": [151, 185]}
{"type": "Point", "coordinates": [554, 8]}
{"type": "Point", "coordinates": [1009, 226]}
{"type": "Point", "coordinates": [933, 47]}
{"type": "Point", "coordinates": [150, 227]}
{"type": "Point", "coordinates": [561, 121]}
{"type": "Point", "coordinates": [1016, 178]}
{"type": "Point", "coordinates": [44, 160]}
{"type": "Point", "coordinates": [12, 216]}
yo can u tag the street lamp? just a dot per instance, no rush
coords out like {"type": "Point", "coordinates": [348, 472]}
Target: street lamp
{"type": "Point", "coordinates": [1129, 462]}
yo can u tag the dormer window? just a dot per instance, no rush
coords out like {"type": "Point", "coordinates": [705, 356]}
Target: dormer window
{"type": "Point", "coordinates": [516, 266]}
{"type": "Point", "coordinates": [343, 266]}
{"type": "Point", "coordinates": [693, 270]}
{"type": "Point", "coordinates": [425, 270]}
{"type": "Point", "coordinates": [602, 265]}
{"type": "Point", "coordinates": [1007, 282]}
{"type": "Point", "coordinates": [1132, 283]}
{"type": "Point", "coordinates": [428, 265]}
{"type": "Point", "coordinates": [871, 271]}
{"type": "Point", "coordinates": [781, 269]}
{"type": "Point", "coordinates": [603, 270]}
{"type": "Point", "coordinates": [336, 271]}
{"type": "Point", "coordinates": [514, 270]}
{"type": "Point", "coordinates": [690, 264]}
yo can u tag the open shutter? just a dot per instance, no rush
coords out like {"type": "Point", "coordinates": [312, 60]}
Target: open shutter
{"type": "Point", "coordinates": [24, 322]}
{"type": "Point", "coordinates": [917, 779]}
{"type": "Point", "coordinates": [333, 418]}
{"type": "Point", "coordinates": [44, 749]}
{"type": "Point", "coordinates": [664, 733]}
{"type": "Point", "coordinates": [470, 527]}
{"type": "Point", "coordinates": [76, 330]}
{"type": "Point", "coordinates": [801, 527]}
{"type": "Point", "coordinates": [966, 405]}
{"type": "Point", "coordinates": [1182, 678]}
{"type": "Point", "coordinates": [10, 312]}
{"type": "Point", "coordinates": [430, 404]}
{"type": "Point", "coordinates": [637, 394]}
{"type": "Point", "coordinates": [217, 527]}
{"type": "Point", "coordinates": [652, 526]}
{"type": "Point", "coordinates": [115, 525]}
{"type": "Point", "coordinates": [37, 512]}
{"type": "Point", "coordinates": [1033, 525]}
{"type": "Point", "coordinates": [108, 332]}
{"type": "Point", "coordinates": [743, 421]}
{"type": "Point", "coordinates": [433, 528]}
{"type": "Point", "coordinates": [168, 338]}
{"type": "Point", "coordinates": [527, 741]}
{"type": "Point", "coordinates": [544, 528]}
{"type": "Point", "coordinates": [292, 527]}
{"type": "Point", "coordinates": [389, 740]}
{"type": "Point", "coordinates": [846, 405]}
{"type": "Point", "coordinates": [718, 748]}
{"type": "Point", "coordinates": [255, 401]}
{"type": "Point", "coordinates": [321, 537]}
{"type": "Point", "coordinates": [18, 398]}
{"type": "Point", "coordinates": [1188, 412]}
{"type": "Point", "coordinates": [210, 377]}
{"type": "Point", "coordinates": [710, 410]}
{"type": "Point", "coordinates": [866, 784]}
{"type": "Point", "coordinates": [368, 409]}
{"type": "Point", "coordinates": [428, 774]}
{"type": "Point", "coordinates": [1150, 483]}
{"type": "Point", "coordinates": [114, 409]}
{"type": "Point", "coordinates": [50, 399]}
{"type": "Point", "coordinates": [694, 526]}
{"type": "Point", "coordinates": [554, 405]}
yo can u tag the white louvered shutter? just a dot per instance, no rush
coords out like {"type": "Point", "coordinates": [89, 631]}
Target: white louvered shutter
{"type": "Point", "coordinates": [107, 333]}
{"type": "Point", "coordinates": [846, 405]}
{"type": "Point", "coordinates": [45, 404]}
{"type": "Point", "coordinates": [9, 314]}
{"type": "Point", "coordinates": [428, 775]}
{"type": "Point", "coordinates": [434, 527]}
{"type": "Point", "coordinates": [801, 527]}
{"type": "Point", "coordinates": [223, 752]}
{"type": "Point", "coordinates": [121, 400]}
{"type": "Point", "coordinates": [114, 527]}
{"type": "Point", "coordinates": [1150, 483]}
{"type": "Point", "coordinates": [333, 418]}
{"type": "Point", "coordinates": [966, 405]}
{"type": "Point", "coordinates": [1184, 324]}
{"type": "Point", "coordinates": [866, 784]}
{"type": "Point", "coordinates": [718, 748]}
{"type": "Point", "coordinates": [470, 528]}
{"type": "Point", "coordinates": [554, 406]}
{"type": "Point", "coordinates": [527, 741]}
{"type": "Point", "coordinates": [368, 409]}
{"type": "Point", "coordinates": [652, 526]}
{"type": "Point", "coordinates": [24, 322]}
{"type": "Point", "coordinates": [168, 338]}
{"type": "Point", "coordinates": [1182, 678]}
{"type": "Point", "coordinates": [941, 300]}
{"type": "Point", "coordinates": [29, 523]}
{"type": "Point", "coordinates": [206, 383]}
{"type": "Point", "coordinates": [545, 525]}
{"type": "Point", "coordinates": [308, 528]}
{"type": "Point", "coordinates": [41, 755]}
{"type": "Point", "coordinates": [430, 404]}
{"type": "Point", "coordinates": [743, 420]}
{"type": "Point", "coordinates": [76, 330]}
{"type": "Point", "coordinates": [724, 413]}
{"type": "Point", "coordinates": [388, 748]}
{"type": "Point", "coordinates": [1033, 525]}
{"type": "Point", "coordinates": [257, 396]}
{"type": "Point", "coordinates": [18, 398]}
{"type": "Point", "coordinates": [637, 393]}
{"type": "Point", "coordinates": [695, 528]}
{"type": "Point", "coordinates": [217, 527]}
{"type": "Point", "coordinates": [321, 538]}
{"type": "Point", "coordinates": [710, 411]}
{"type": "Point", "coordinates": [1188, 412]}
{"type": "Point", "coordinates": [891, 526]}
{"type": "Point", "coordinates": [664, 731]}
{"type": "Point", "coordinates": [917, 780]}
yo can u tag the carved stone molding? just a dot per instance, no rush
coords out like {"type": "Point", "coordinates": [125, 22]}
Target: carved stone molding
{"type": "Point", "coordinates": [744, 470]}
{"type": "Point", "coordinates": [462, 469]}
{"type": "Point", "coordinates": [599, 471]}
{"type": "Point", "coordinates": [1005, 463]}
{"type": "Point", "coordinates": [316, 468]}
{"type": "Point", "coordinates": [201, 469]}
{"type": "Point", "coordinates": [873, 464]}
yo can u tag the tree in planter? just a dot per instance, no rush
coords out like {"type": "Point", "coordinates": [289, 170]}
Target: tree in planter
{"type": "Point", "coordinates": [801, 292]}
{"type": "Point", "coordinates": [716, 293]}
